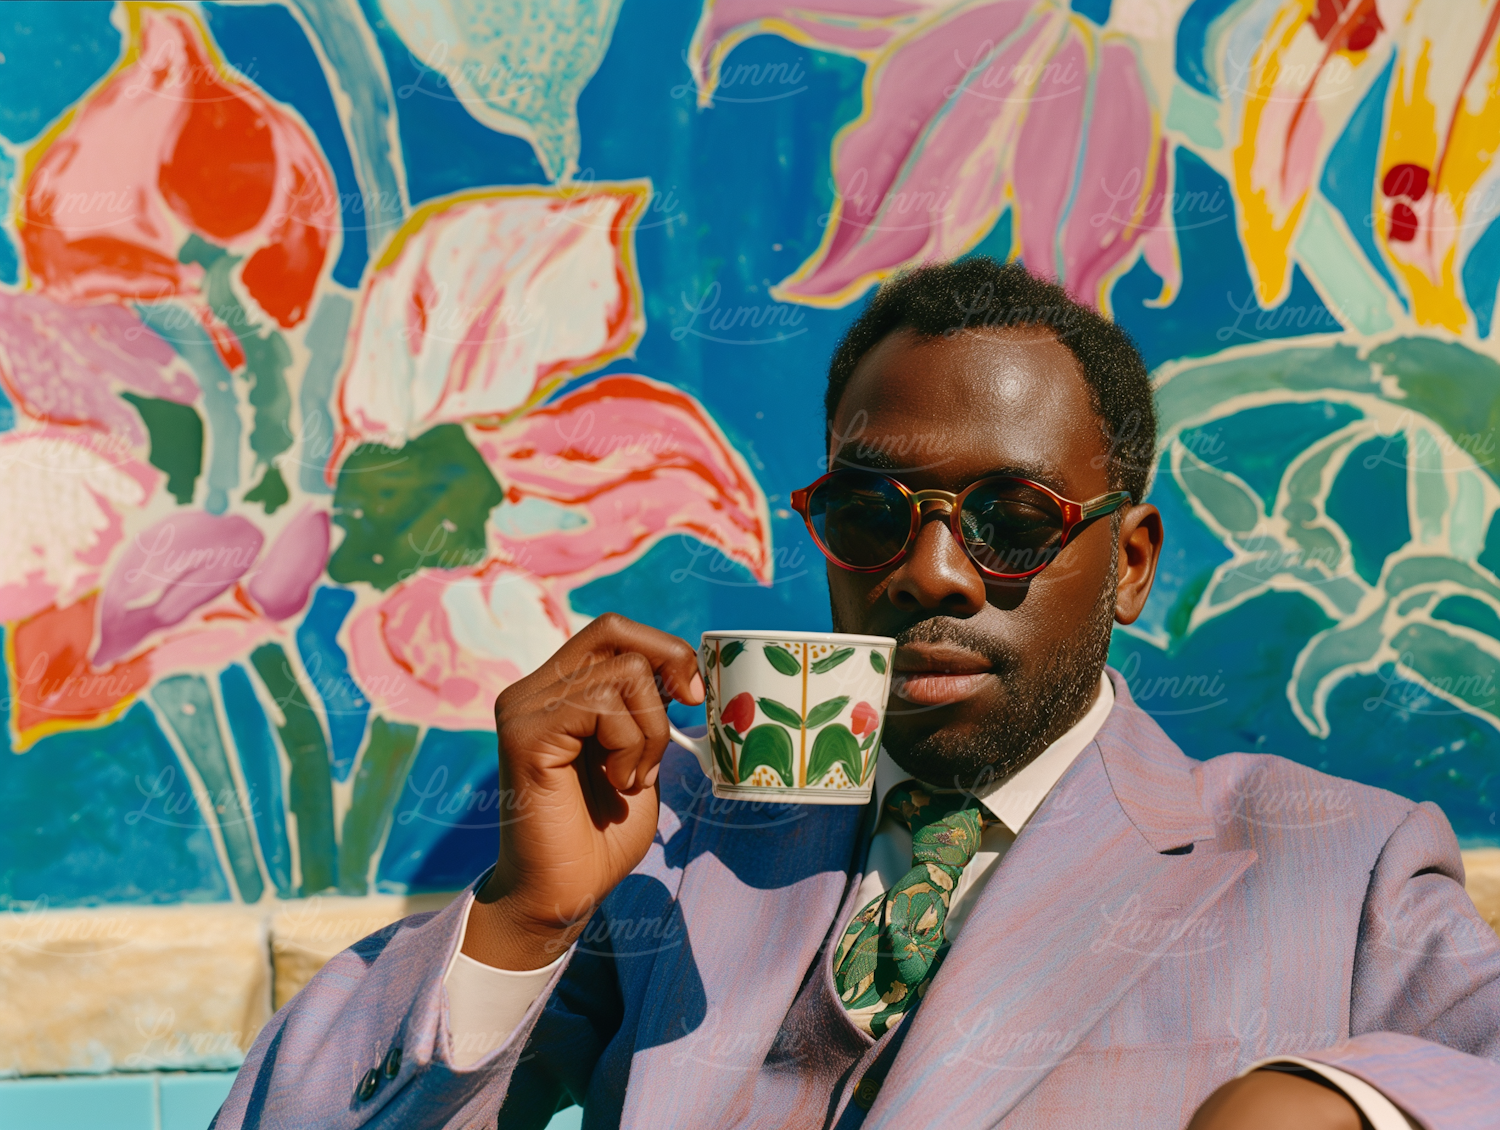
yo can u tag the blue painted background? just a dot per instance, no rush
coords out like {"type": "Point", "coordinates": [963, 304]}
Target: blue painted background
{"type": "Point", "coordinates": [741, 189]}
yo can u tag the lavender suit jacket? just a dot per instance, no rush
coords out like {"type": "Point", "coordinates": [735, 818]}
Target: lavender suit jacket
{"type": "Point", "coordinates": [1159, 925]}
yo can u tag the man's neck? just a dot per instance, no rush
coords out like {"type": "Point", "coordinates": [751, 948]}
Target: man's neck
{"type": "Point", "coordinates": [1015, 797]}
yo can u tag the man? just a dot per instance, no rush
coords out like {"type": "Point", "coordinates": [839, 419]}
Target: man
{"type": "Point", "coordinates": [1130, 937]}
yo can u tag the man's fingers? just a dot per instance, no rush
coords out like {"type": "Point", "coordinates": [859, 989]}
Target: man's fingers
{"type": "Point", "coordinates": [645, 705]}
{"type": "Point", "coordinates": [633, 727]}
{"type": "Point", "coordinates": [613, 705]}
{"type": "Point", "coordinates": [671, 657]}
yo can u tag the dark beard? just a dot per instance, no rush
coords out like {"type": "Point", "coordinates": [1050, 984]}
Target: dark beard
{"type": "Point", "coordinates": [1041, 704]}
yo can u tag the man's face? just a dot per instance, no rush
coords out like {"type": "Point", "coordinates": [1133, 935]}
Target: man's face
{"type": "Point", "coordinates": [988, 672]}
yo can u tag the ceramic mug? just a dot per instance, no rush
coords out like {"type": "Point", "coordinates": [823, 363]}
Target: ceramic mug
{"type": "Point", "coordinates": [793, 717]}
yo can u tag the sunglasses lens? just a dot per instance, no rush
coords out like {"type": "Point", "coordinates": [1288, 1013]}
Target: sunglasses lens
{"type": "Point", "coordinates": [1010, 527]}
{"type": "Point", "coordinates": [861, 518]}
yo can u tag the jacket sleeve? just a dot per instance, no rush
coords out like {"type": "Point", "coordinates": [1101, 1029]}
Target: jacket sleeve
{"type": "Point", "coordinates": [380, 1007]}
{"type": "Point", "coordinates": [1425, 997]}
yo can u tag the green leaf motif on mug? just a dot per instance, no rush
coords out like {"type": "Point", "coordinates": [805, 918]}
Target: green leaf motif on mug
{"type": "Point", "coordinates": [835, 745]}
{"type": "Point", "coordinates": [826, 710]}
{"type": "Point", "coordinates": [783, 660]}
{"type": "Point", "coordinates": [770, 745]}
{"type": "Point", "coordinates": [829, 662]}
{"type": "Point", "coordinates": [779, 713]}
{"type": "Point", "coordinates": [729, 651]}
{"type": "Point", "coordinates": [721, 755]}
{"type": "Point", "coordinates": [877, 661]}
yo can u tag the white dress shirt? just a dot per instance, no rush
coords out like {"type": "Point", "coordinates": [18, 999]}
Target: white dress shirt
{"type": "Point", "coordinates": [485, 1004]}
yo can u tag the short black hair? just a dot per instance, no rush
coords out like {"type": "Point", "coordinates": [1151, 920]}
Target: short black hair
{"type": "Point", "coordinates": [944, 299]}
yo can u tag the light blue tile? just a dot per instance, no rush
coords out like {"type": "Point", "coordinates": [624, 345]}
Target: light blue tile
{"type": "Point", "coordinates": [119, 1102]}
{"type": "Point", "coordinates": [570, 1119]}
{"type": "Point", "coordinates": [189, 1102]}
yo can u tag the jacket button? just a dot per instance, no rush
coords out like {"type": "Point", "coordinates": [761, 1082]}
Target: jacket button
{"type": "Point", "coordinates": [865, 1092]}
{"type": "Point", "coordinates": [393, 1062]}
{"type": "Point", "coordinates": [368, 1084]}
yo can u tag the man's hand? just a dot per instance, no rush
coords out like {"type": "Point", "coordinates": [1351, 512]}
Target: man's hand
{"type": "Point", "coordinates": [1275, 1100]}
{"type": "Point", "coordinates": [581, 741]}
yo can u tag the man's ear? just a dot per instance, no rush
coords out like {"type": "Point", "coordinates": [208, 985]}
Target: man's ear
{"type": "Point", "coordinates": [1140, 549]}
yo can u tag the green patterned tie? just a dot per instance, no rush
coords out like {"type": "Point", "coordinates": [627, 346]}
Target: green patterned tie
{"type": "Point", "coordinates": [892, 948]}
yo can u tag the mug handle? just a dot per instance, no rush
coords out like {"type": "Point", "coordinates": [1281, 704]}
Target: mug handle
{"type": "Point", "coordinates": [699, 747]}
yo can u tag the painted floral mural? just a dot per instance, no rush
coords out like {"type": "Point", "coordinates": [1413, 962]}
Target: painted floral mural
{"type": "Point", "coordinates": [354, 355]}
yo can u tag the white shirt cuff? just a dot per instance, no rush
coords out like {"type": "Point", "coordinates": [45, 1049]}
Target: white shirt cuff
{"type": "Point", "coordinates": [485, 1004]}
{"type": "Point", "coordinates": [1381, 1112]}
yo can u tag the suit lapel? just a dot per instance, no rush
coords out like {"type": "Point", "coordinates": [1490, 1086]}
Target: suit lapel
{"type": "Point", "coordinates": [1082, 905]}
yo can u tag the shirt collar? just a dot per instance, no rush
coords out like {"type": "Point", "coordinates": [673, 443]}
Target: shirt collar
{"type": "Point", "coordinates": [1014, 799]}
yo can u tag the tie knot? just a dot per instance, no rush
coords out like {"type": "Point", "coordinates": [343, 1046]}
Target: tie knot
{"type": "Point", "coordinates": [918, 807]}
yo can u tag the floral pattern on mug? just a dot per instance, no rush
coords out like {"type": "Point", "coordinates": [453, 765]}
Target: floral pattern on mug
{"type": "Point", "coordinates": [803, 738]}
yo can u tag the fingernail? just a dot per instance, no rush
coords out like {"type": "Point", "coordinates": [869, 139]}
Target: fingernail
{"type": "Point", "coordinates": [695, 688]}
{"type": "Point", "coordinates": [651, 775]}
{"type": "Point", "coordinates": [630, 784]}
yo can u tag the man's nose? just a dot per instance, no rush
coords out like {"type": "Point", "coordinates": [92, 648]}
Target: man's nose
{"type": "Point", "coordinates": [936, 575]}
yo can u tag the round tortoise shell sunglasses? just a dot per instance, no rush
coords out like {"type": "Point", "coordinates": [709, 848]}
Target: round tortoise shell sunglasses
{"type": "Point", "coordinates": [1010, 527]}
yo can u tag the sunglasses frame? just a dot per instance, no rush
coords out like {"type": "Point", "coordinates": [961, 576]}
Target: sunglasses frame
{"type": "Point", "coordinates": [926, 502]}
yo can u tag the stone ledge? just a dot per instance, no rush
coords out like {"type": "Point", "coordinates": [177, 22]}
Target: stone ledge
{"type": "Point", "coordinates": [132, 988]}
{"type": "Point", "coordinates": [307, 932]}
{"type": "Point", "coordinates": [166, 987]}
{"type": "Point", "coordinates": [188, 987]}
{"type": "Point", "coordinates": [1482, 880]}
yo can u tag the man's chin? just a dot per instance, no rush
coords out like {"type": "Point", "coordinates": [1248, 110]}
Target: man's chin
{"type": "Point", "coordinates": [951, 745]}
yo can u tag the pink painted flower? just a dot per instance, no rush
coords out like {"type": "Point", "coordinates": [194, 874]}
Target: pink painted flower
{"type": "Point", "coordinates": [440, 646]}
{"type": "Point", "coordinates": [864, 719]}
{"type": "Point", "coordinates": [196, 588]}
{"type": "Point", "coordinates": [971, 109]}
{"type": "Point", "coordinates": [62, 512]}
{"type": "Point", "coordinates": [630, 459]}
{"type": "Point", "coordinates": [171, 144]}
{"type": "Point", "coordinates": [739, 713]}
{"type": "Point", "coordinates": [66, 364]}
{"type": "Point", "coordinates": [192, 590]}
{"type": "Point", "coordinates": [480, 307]}
{"type": "Point", "coordinates": [484, 302]}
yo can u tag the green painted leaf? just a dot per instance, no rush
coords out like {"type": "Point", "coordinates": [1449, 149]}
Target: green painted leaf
{"type": "Point", "coordinates": [829, 662]}
{"type": "Point", "coordinates": [310, 790]}
{"type": "Point", "coordinates": [1225, 497]}
{"type": "Point", "coordinates": [783, 714]}
{"type": "Point", "coordinates": [869, 740]}
{"type": "Point", "coordinates": [710, 658]}
{"type": "Point", "coordinates": [187, 705]}
{"type": "Point", "coordinates": [267, 355]}
{"type": "Point", "coordinates": [732, 734]}
{"type": "Point", "coordinates": [389, 752]}
{"type": "Point", "coordinates": [729, 651]}
{"type": "Point", "coordinates": [722, 755]}
{"type": "Point", "coordinates": [176, 432]}
{"type": "Point", "coordinates": [270, 492]}
{"type": "Point", "coordinates": [767, 744]}
{"type": "Point", "coordinates": [423, 506]}
{"type": "Point", "coordinates": [834, 745]}
{"type": "Point", "coordinates": [826, 710]}
{"type": "Point", "coordinates": [877, 661]}
{"type": "Point", "coordinates": [1453, 665]}
{"type": "Point", "coordinates": [782, 659]}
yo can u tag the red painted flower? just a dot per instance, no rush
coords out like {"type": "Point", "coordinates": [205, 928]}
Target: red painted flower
{"type": "Point", "coordinates": [172, 143]}
{"type": "Point", "coordinates": [739, 712]}
{"type": "Point", "coordinates": [865, 719]}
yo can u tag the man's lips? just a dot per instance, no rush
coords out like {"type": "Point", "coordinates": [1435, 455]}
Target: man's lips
{"type": "Point", "coordinates": [938, 674]}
